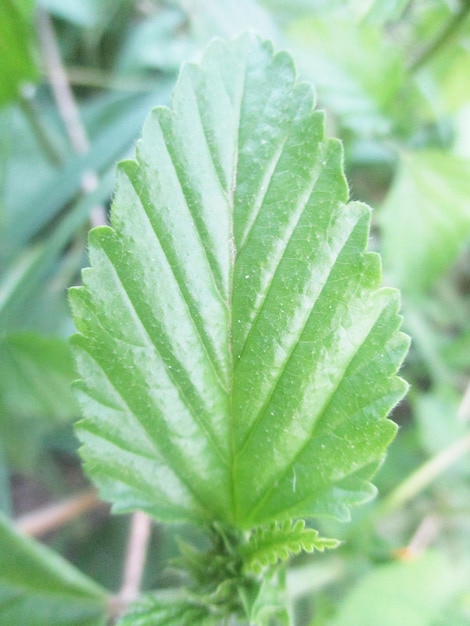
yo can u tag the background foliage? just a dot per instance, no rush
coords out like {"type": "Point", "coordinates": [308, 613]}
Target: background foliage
{"type": "Point", "coordinates": [393, 79]}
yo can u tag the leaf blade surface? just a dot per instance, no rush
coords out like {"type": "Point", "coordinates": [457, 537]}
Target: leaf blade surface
{"type": "Point", "coordinates": [231, 323]}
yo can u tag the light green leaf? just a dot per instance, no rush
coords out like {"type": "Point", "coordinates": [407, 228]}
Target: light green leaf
{"type": "Point", "coordinates": [238, 357]}
{"type": "Point", "coordinates": [170, 609]}
{"type": "Point", "coordinates": [268, 545]}
{"type": "Point", "coordinates": [410, 593]}
{"type": "Point", "coordinates": [38, 587]}
{"type": "Point", "coordinates": [17, 63]}
{"type": "Point", "coordinates": [426, 218]}
{"type": "Point", "coordinates": [356, 71]}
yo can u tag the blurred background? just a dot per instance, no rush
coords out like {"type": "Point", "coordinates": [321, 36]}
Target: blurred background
{"type": "Point", "coordinates": [77, 79]}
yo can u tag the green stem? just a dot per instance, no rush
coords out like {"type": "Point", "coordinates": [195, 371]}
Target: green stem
{"type": "Point", "coordinates": [31, 113]}
{"type": "Point", "coordinates": [425, 475]}
{"type": "Point", "coordinates": [447, 33]}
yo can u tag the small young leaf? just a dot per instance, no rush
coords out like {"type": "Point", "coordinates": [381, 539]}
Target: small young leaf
{"type": "Point", "coordinates": [171, 609]}
{"type": "Point", "coordinates": [279, 541]}
{"type": "Point", "coordinates": [238, 357]}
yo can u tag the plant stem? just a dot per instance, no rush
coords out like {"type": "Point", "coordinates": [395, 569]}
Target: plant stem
{"type": "Point", "coordinates": [90, 77]}
{"type": "Point", "coordinates": [425, 475]}
{"type": "Point", "coordinates": [67, 106]}
{"type": "Point", "coordinates": [449, 31]}
{"type": "Point", "coordinates": [56, 515]}
{"type": "Point", "coordinates": [139, 536]}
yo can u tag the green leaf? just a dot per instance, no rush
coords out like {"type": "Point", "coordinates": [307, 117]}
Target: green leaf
{"type": "Point", "coordinates": [426, 218]}
{"type": "Point", "coordinates": [356, 70]}
{"type": "Point", "coordinates": [36, 374]}
{"type": "Point", "coordinates": [170, 609]}
{"type": "Point", "coordinates": [38, 587]}
{"type": "Point", "coordinates": [279, 541]}
{"type": "Point", "coordinates": [238, 357]}
{"type": "Point", "coordinates": [36, 209]}
{"type": "Point", "coordinates": [17, 64]}
{"type": "Point", "coordinates": [409, 592]}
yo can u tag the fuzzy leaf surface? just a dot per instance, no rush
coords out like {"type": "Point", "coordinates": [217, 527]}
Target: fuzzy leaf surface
{"type": "Point", "coordinates": [237, 354]}
{"type": "Point", "coordinates": [167, 610]}
{"type": "Point", "coordinates": [278, 542]}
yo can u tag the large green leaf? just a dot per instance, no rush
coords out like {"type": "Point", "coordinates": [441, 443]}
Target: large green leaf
{"type": "Point", "coordinates": [38, 587]}
{"type": "Point", "coordinates": [238, 357]}
{"type": "Point", "coordinates": [412, 593]}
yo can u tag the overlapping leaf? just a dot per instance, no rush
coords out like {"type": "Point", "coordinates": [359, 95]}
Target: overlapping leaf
{"type": "Point", "coordinates": [238, 357]}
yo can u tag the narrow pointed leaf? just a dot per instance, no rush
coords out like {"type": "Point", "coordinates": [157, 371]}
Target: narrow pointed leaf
{"type": "Point", "coordinates": [238, 357]}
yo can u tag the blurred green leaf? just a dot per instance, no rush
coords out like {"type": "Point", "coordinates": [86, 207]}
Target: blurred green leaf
{"type": "Point", "coordinates": [63, 185]}
{"type": "Point", "coordinates": [425, 218]}
{"type": "Point", "coordinates": [5, 494]}
{"type": "Point", "coordinates": [162, 41]}
{"type": "Point", "coordinates": [410, 593]}
{"type": "Point", "coordinates": [83, 13]}
{"type": "Point", "coordinates": [17, 47]}
{"type": "Point", "coordinates": [38, 587]}
{"type": "Point", "coordinates": [23, 282]}
{"type": "Point", "coordinates": [36, 374]}
{"type": "Point", "coordinates": [227, 19]}
{"type": "Point", "coordinates": [355, 70]}
{"type": "Point", "coordinates": [197, 326]}
{"type": "Point", "coordinates": [378, 11]}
